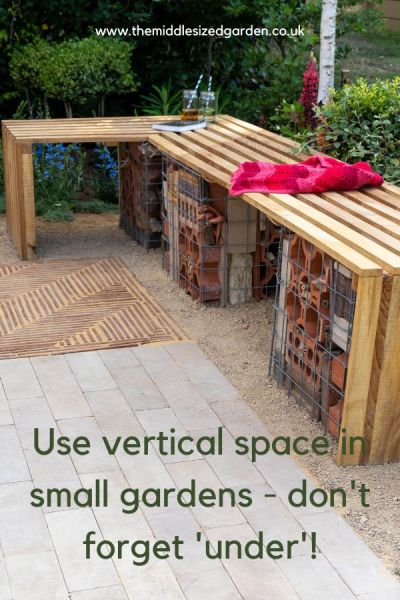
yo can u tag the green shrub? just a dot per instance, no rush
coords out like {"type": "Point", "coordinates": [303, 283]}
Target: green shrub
{"type": "Point", "coordinates": [74, 72]}
{"type": "Point", "coordinates": [362, 123]}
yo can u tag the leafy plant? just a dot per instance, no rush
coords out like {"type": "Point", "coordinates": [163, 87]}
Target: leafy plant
{"type": "Point", "coordinates": [362, 123]}
{"type": "Point", "coordinates": [58, 176]}
{"type": "Point", "coordinates": [289, 119]}
{"type": "Point", "coordinates": [162, 101]}
{"type": "Point", "coordinates": [102, 178]}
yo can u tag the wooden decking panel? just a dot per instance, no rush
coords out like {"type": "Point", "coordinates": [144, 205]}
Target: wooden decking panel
{"type": "Point", "coordinates": [55, 307]}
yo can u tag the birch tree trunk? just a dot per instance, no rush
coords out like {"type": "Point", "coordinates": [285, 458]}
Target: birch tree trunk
{"type": "Point", "coordinates": [327, 49]}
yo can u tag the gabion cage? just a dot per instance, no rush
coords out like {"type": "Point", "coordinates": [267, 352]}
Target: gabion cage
{"type": "Point", "coordinates": [314, 311]}
{"type": "Point", "coordinates": [216, 247]}
{"type": "Point", "coordinates": [140, 193]}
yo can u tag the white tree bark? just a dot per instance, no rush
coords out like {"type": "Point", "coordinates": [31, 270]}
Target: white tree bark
{"type": "Point", "coordinates": [327, 49]}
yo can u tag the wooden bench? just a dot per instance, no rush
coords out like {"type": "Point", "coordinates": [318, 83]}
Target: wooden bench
{"type": "Point", "coordinates": [359, 229]}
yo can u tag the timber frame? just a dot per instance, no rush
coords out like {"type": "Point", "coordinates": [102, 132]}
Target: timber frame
{"type": "Point", "coordinates": [360, 229]}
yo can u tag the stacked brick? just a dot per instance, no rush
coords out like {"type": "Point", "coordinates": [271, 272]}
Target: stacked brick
{"type": "Point", "coordinates": [216, 248]}
{"type": "Point", "coordinates": [140, 193]}
{"type": "Point", "coordinates": [200, 242]}
{"type": "Point", "coordinates": [315, 364]}
{"type": "Point", "coordinates": [265, 258]}
{"type": "Point", "coordinates": [193, 232]}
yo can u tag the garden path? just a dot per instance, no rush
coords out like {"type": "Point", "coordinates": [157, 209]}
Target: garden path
{"type": "Point", "coordinates": [137, 392]}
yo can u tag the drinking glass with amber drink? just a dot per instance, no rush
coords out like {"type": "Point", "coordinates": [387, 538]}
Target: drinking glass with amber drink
{"type": "Point", "coordinates": [190, 106]}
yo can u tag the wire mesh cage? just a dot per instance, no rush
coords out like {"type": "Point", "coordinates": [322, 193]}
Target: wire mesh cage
{"type": "Point", "coordinates": [314, 311]}
{"type": "Point", "coordinates": [216, 247]}
{"type": "Point", "coordinates": [140, 193]}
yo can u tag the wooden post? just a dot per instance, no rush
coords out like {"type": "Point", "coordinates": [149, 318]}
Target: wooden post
{"type": "Point", "coordinates": [384, 405]}
{"type": "Point", "coordinates": [28, 198]}
{"type": "Point", "coordinates": [359, 372]}
{"type": "Point", "coordinates": [13, 192]}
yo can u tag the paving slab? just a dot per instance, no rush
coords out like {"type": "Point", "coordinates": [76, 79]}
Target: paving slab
{"type": "Point", "coordinates": [98, 459]}
{"type": "Point", "coordinates": [22, 527]}
{"type": "Point", "coordinates": [13, 465]}
{"type": "Point", "coordinates": [213, 583]}
{"type": "Point", "coordinates": [19, 379]}
{"type": "Point", "coordinates": [138, 388]}
{"type": "Point", "coordinates": [254, 579]}
{"type": "Point", "coordinates": [68, 529]}
{"type": "Point", "coordinates": [31, 413]}
{"type": "Point", "coordinates": [165, 420]}
{"type": "Point", "coordinates": [113, 414]}
{"type": "Point", "coordinates": [66, 400]}
{"type": "Point", "coordinates": [358, 566]}
{"type": "Point", "coordinates": [90, 371]}
{"type": "Point", "coordinates": [272, 516]}
{"type": "Point", "coordinates": [53, 471]}
{"type": "Point", "coordinates": [36, 577]}
{"type": "Point", "coordinates": [115, 358]}
{"type": "Point", "coordinates": [159, 364]}
{"type": "Point", "coordinates": [232, 469]}
{"type": "Point", "coordinates": [315, 579]}
{"type": "Point", "coordinates": [200, 471]}
{"type": "Point", "coordinates": [154, 581]}
{"type": "Point", "coordinates": [189, 405]}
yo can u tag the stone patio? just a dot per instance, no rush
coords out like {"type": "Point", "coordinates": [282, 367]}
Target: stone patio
{"type": "Point", "coordinates": [137, 391]}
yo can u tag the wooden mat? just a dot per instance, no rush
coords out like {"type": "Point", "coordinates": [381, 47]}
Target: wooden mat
{"type": "Point", "coordinates": [61, 306]}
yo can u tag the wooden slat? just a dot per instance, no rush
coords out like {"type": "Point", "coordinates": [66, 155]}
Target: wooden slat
{"type": "Point", "coordinates": [366, 214]}
{"type": "Point", "coordinates": [382, 196]}
{"type": "Point", "coordinates": [359, 372]}
{"type": "Point", "coordinates": [54, 307]}
{"type": "Point", "coordinates": [374, 205]}
{"type": "Point", "coordinates": [268, 134]}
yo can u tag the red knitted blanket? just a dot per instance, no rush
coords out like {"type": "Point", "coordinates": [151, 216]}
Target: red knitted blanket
{"type": "Point", "coordinates": [316, 174]}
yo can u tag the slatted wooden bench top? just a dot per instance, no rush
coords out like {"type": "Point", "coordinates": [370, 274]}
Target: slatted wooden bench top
{"type": "Point", "coordinates": [360, 229]}
{"type": "Point", "coordinates": [102, 129]}
{"type": "Point", "coordinates": [366, 222]}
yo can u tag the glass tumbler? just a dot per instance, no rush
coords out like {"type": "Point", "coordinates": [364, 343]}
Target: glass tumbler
{"type": "Point", "coordinates": [208, 105]}
{"type": "Point", "coordinates": [190, 106]}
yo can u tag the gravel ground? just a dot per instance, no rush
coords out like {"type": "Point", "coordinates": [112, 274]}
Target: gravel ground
{"type": "Point", "coordinates": [237, 339]}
